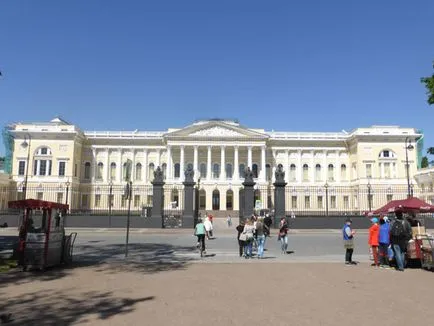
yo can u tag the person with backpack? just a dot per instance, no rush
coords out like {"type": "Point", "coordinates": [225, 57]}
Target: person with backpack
{"type": "Point", "coordinates": [283, 235]}
{"type": "Point", "coordinates": [400, 234]}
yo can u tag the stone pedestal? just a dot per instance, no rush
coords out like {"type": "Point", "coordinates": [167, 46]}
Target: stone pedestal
{"type": "Point", "coordinates": [249, 195]}
{"type": "Point", "coordinates": [156, 218]}
{"type": "Point", "coordinates": [279, 195]}
{"type": "Point", "coordinates": [188, 216]}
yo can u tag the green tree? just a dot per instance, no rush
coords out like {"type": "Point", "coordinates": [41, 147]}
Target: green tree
{"type": "Point", "coordinates": [424, 163]}
{"type": "Point", "coordinates": [430, 151]}
{"type": "Point", "coordinates": [429, 85]}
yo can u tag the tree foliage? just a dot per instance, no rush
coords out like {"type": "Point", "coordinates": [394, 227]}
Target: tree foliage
{"type": "Point", "coordinates": [424, 163]}
{"type": "Point", "coordinates": [430, 151]}
{"type": "Point", "coordinates": [429, 85]}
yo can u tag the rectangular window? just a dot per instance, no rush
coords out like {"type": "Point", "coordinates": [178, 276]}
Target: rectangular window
{"type": "Point", "coordinates": [294, 201]}
{"type": "Point", "coordinates": [387, 173]}
{"type": "Point", "coordinates": [136, 200]}
{"type": "Point", "coordinates": [84, 201]}
{"type": "Point", "coordinates": [346, 202]}
{"type": "Point", "coordinates": [368, 170]}
{"type": "Point", "coordinates": [62, 166]}
{"type": "Point", "coordinates": [42, 167]}
{"type": "Point", "coordinates": [21, 167]}
{"type": "Point", "coordinates": [123, 201]}
{"type": "Point", "coordinates": [320, 202]}
{"type": "Point", "coordinates": [332, 201]}
{"type": "Point", "coordinates": [149, 200]}
{"type": "Point", "coordinates": [97, 200]}
{"type": "Point", "coordinates": [110, 200]}
{"type": "Point", "coordinates": [60, 197]}
{"type": "Point", "coordinates": [306, 201]}
{"type": "Point", "coordinates": [40, 195]}
{"type": "Point", "coordinates": [389, 197]}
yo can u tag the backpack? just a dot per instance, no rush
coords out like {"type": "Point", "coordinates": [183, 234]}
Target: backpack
{"type": "Point", "coordinates": [397, 230]}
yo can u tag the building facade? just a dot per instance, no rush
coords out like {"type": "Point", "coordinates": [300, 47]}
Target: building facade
{"type": "Point", "coordinates": [425, 180]}
{"type": "Point", "coordinates": [345, 171]}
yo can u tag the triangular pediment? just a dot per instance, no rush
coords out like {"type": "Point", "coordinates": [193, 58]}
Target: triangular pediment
{"type": "Point", "coordinates": [215, 129]}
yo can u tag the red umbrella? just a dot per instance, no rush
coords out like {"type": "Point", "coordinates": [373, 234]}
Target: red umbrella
{"type": "Point", "coordinates": [411, 204]}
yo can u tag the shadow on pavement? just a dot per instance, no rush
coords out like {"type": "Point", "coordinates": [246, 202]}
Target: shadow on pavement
{"type": "Point", "coordinates": [62, 308]}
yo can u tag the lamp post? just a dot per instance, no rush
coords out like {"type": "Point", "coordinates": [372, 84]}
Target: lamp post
{"type": "Point", "coordinates": [67, 191]}
{"type": "Point", "coordinates": [326, 186]}
{"type": "Point", "coordinates": [197, 200]}
{"type": "Point", "coordinates": [369, 195]}
{"type": "Point", "coordinates": [128, 193]}
{"type": "Point", "coordinates": [408, 147]}
{"type": "Point", "coordinates": [411, 189]}
{"type": "Point", "coordinates": [26, 144]}
{"type": "Point", "coordinates": [110, 202]}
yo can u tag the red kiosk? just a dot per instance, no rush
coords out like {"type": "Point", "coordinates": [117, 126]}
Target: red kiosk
{"type": "Point", "coordinates": [42, 240]}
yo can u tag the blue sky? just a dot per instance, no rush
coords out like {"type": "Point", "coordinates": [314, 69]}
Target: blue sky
{"type": "Point", "coordinates": [282, 65]}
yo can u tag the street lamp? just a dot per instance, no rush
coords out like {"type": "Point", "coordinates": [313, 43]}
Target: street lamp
{"type": "Point", "coordinates": [408, 147]}
{"type": "Point", "coordinates": [26, 144]}
{"type": "Point", "coordinates": [369, 195]}
{"type": "Point", "coordinates": [128, 195]}
{"type": "Point", "coordinates": [67, 191]}
{"type": "Point", "coordinates": [326, 186]}
{"type": "Point", "coordinates": [110, 202]}
{"type": "Point", "coordinates": [411, 189]}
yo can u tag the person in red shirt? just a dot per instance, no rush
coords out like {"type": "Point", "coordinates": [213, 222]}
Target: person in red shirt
{"type": "Point", "coordinates": [373, 239]}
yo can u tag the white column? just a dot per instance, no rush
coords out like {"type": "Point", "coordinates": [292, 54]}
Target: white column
{"type": "Point", "coordinates": [195, 163]}
{"type": "Point", "coordinates": [158, 159]}
{"type": "Point", "coordinates": [273, 172]}
{"type": "Point", "coordinates": [300, 166]}
{"type": "Point", "coordinates": [133, 168]}
{"type": "Point", "coordinates": [337, 168]}
{"type": "Point", "coordinates": [93, 165]}
{"type": "Point", "coordinates": [169, 172]}
{"type": "Point", "coordinates": [119, 171]}
{"type": "Point", "coordinates": [312, 167]}
{"type": "Point", "coordinates": [286, 168]}
{"type": "Point", "coordinates": [249, 157]}
{"type": "Point", "coordinates": [181, 163]}
{"type": "Point", "coordinates": [107, 169]}
{"type": "Point", "coordinates": [208, 164]}
{"type": "Point", "coordinates": [326, 167]}
{"type": "Point", "coordinates": [236, 175]}
{"type": "Point", "coordinates": [263, 162]}
{"type": "Point", "coordinates": [382, 170]}
{"type": "Point", "coordinates": [145, 165]}
{"type": "Point", "coordinates": [222, 164]}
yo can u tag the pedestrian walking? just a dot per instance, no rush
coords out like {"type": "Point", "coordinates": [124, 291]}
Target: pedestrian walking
{"type": "Point", "coordinates": [229, 220]}
{"type": "Point", "coordinates": [400, 234]}
{"type": "Point", "coordinates": [248, 237]}
{"type": "Point", "coordinates": [208, 228]}
{"type": "Point", "coordinates": [373, 240]}
{"type": "Point", "coordinates": [348, 235]}
{"type": "Point", "coordinates": [260, 237]}
{"type": "Point", "coordinates": [283, 235]}
{"type": "Point", "coordinates": [383, 243]}
{"type": "Point", "coordinates": [241, 243]}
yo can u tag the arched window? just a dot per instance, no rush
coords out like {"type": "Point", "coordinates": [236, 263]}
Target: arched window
{"type": "Point", "coordinates": [228, 171]}
{"type": "Point", "coordinates": [241, 170]}
{"type": "Point", "coordinates": [268, 172]}
{"type": "Point", "coordinates": [99, 171]}
{"type": "Point", "coordinates": [126, 170]}
{"type": "Point", "coordinates": [202, 199]}
{"type": "Point", "coordinates": [229, 200]}
{"type": "Point", "coordinates": [113, 171]}
{"type": "Point", "coordinates": [305, 172]}
{"type": "Point", "coordinates": [216, 171]}
{"type": "Point", "coordinates": [43, 151]}
{"type": "Point", "coordinates": [177, 170]}
{"type": "Point", "coordinates": [87, 170]}
{"type": "Point", "coordinates": [203, 170]}
{"type": "Point", "coordinates": [138, 175]}
{"type": "Point", "coordinates": [151, 169]}
{"type": "Point", "coordinates": [331, 173]}
{"type": "Point", "coordinates": [343, 172]}
{"type": "Point", "coordinates": [387, 154]}
{"type": "Point", "coordinates": [318, 172]}
{"type": "Point", "coordinates": [292, 171]}
{"type": "Point", "coordinates": [255, 170]}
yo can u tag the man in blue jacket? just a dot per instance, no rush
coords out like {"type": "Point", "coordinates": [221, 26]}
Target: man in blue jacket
{"type": "Point", "coordinates": [384, 242]}
{"type": "Point", "coordinates": [348, 236]}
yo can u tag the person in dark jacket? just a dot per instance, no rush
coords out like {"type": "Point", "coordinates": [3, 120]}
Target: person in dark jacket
{"type": "Point", "coordinates": [241, 243]}
{"type": "Point", "coordinates": [384, 242]}
{"type": "Point", "coordinates": [267, 222]}
{"type": "Point", "coordinates": [400, 242]}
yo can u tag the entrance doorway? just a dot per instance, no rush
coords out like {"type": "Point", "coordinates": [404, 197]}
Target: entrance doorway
{"type": "Point", "coordinates": [215, 200]}
{"type": "Point", "coordinates": [229, 200]}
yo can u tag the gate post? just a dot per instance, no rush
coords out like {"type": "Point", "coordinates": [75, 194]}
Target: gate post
{"type": "Point", "coordinates": [156, 218]}
{"type": "Point", "coordinates": [188, 215]}
{"type": "Point", "coordinates": [279, 195]}
{"type": "Point", "coordinates": [249, 195]}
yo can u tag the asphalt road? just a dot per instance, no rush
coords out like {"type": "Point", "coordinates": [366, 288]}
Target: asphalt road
{"type": "Point", "coordinates": [305, 246]}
